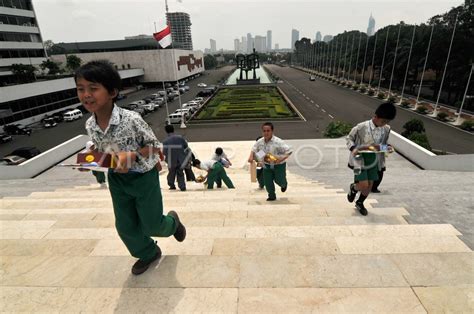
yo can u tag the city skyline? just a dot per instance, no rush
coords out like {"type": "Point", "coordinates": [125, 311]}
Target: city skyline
{"type": "Point", "coordinates": [331, 16]}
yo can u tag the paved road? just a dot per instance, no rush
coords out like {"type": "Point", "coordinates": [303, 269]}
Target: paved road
{"type": "Point", "coordinates": [343, 104]}
{"type": "Point", "coordinates": [45, 139]}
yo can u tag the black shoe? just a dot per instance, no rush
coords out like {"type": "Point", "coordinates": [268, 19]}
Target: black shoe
{"type": "Point", "coordinates": [375, 191]}
{"type": "Point", "coordinates": [219, 186]}
{"type": "Point", "coordinates": [362, 210]}
{"type": "Point", "coordinates": [183, 189]}
{"type": "Point", "coordinates": [172, 188]}
{"type": "Point", "coordinates": [284, 189]}
{"type": "Point", "coordinates": [180, 233]}
{"type": "Point", "coordinates": [270, 199]}
{"type": "Point", "coordinates": [141, 266]}
{"type": "Point", "coordinates": [352, 193]}
{"type": "Point", "coordinates": [261, 187]}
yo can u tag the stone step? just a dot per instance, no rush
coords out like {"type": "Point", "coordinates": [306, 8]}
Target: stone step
{"type": "Point", "coordinates": [11, 229]}
{"type": "Point", "coordinates": [259, 271]}
{"type": "Point", "coordinates": [191, 204]}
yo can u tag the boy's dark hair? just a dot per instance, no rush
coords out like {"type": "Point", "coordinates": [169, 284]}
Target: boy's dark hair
{"type": "Point", "coordinates": [169, 129]}
{"type": "Point", "coordinates": [387, 110]}
{"type": "Point", "coordinates": [268, 124]}
{"type": "Point", "coordinates": [219, 151]}
{"type": "Point", "coordinates": [196, 162]}
{"type": "Point", "coordinates": [102, 72]}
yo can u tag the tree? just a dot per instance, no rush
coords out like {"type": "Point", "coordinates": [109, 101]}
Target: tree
{"type": "Point", "coordinates": [25, 73]}
{"type": "Point", "coordinates": [210, 61]}
{"type": "Point", "coordinates": [53, 67]}
{"type": "Point", "coordinates": [73, 62]}
{"type": "Point", "coordinates": [412, 126]}
{"type": "Point", "coordinates": [48, 45]}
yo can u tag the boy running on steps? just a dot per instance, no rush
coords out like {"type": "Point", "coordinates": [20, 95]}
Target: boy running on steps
{"type": "Point", "coordinates": [134, 184]}
{"type": "Point", "coordinates": [368, 135]}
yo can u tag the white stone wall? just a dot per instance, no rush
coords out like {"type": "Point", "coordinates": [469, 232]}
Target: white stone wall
{"type": "Point", "coordinates": [159, 65]}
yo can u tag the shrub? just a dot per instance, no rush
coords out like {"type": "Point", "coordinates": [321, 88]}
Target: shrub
{"type": "Point", "coordinates": [413, 126]}
{"type": "Point", "coordinates": [381, 95]}
{"type": "Point", "coordinates": [467, 125]}
{"type": "Point", "coordinates": [420, 139]}
{"type": "Point", "coordinates": [442, 116]}
{"type": "Point", "coordinates": [355, 86]}
{"type": "Point", "coordinates": [371, 92]}
{"type": "Point", "coordinates": [405, 104]}
{"type": "Point", "coordinates": [349, 85]}
{"type": "Point", "coordinates": [337, 129]}
{"type": "Point", "coordinates": [422, 109]}
{"type": "Point", "coordinates": [343, 83]}
{"type": "Point", "coordinates": [363, 89]}
{"type": "Point", "coordinates": [391, 99]}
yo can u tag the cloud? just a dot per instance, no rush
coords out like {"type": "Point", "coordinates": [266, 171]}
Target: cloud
{"type": "Point", "coordinates": [83, 14]}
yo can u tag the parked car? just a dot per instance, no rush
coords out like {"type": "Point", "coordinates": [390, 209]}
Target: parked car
{"type": "Point", "coordinates": [140, 87]}
{"type": "Point", "coordinates": [205, 93]}
{"type": "Point", "coordinates": [175, 94]}
{"type": "Point", "coordinates": [17, 129]}
{"type": "Point", "coordinates": [161, 93]}
{"type": "Point", "coordinates": [200, 99]}
{"type": "Point", "coordinates": [175, 118]}
{"type": "Point", "coordinates": [49, 123]}
{"type": "Point", "coordinates": [138, 102]}
{"type": "Point", "coordinates": [4, 138]}
{"type": "Point", "coordinates": [182, 90]}
{"type": "Point", "coordinates": [11, 160]}
{"type": "Point", "coordinates": [159, 101]}
{"type": "Point", "coordinates": [186, 88]}
{"type": "Point", "coordinates": [202, 85]}
{"type": "Point", "coordinates": [147, 107]}
{"type": "Point", "coordinates": [170, 90]}
{"type": "Point", "coordinates": [186, 111]}
{"type": "Point", "coordinates": [121, 96]}
{"type": "Point", "coordinates": [72, 115]}
{"type": "Point", "coordinates": [25, 152]}
{"type": "Point", "coordinates": [58, 117]}
{"type": "Point", "coordinates": [140, 111]}
{"type": "Point", "coordinates": [312, 78]}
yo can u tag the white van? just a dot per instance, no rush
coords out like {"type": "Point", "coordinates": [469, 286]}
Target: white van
{"type": "Point", "coordinates": [175, 118]}
{"type": "Point", "coordinates": [73, 115]}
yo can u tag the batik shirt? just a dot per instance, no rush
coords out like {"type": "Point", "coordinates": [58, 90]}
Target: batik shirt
{"type": "Point", "coordinates": [126, 132]}
{"type": "Point", "coordinates": [275, 146]}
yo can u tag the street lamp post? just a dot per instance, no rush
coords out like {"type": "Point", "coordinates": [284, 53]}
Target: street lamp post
{"type": "Point", "coordinates": [383, 61]}
{"type": "Point", "coordinates": [365, 57]}
{"type": "Point", "coordinates": [357, 59]}
{"type": "Point", "coordinates": [350, 58]}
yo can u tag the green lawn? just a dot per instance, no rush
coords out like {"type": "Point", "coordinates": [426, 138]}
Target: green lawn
{"type": "Point", "coordinates": [247, 103]}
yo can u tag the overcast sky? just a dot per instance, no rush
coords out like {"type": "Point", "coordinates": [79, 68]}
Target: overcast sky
{"type": "Point", "coordinates": [225, 20]}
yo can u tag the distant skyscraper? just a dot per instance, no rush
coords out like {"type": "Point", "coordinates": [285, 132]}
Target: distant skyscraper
{"type": "Point", "coordinates": [371, 27]}
{"type": "Point", "coordinates": [318, 36]}
{"type": "Point", "coordinates": [295, 36]}
{"type": "Point", "coordinates": [244, 44]}
{"type": "Point", "coordinates": [180, 30]}
{"type": "Point", "coordinates": [327, 38]}
{"type": "Point", "coordinates": [277, 46]}
{"type": "Point", "coordinates": [250, 43]}
{"type": "Point", "coordinates": [237, 45]}
{"type": "Point", "coordinates": [260, 43]}
{"type": "Point", "coordinates": [269, 40]}
{"type": "Point", "coordinates": [213, 46]}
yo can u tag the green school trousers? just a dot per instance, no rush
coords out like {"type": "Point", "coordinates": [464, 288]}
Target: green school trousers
{"type": "Point", "coordinates": [274, 174]}
{"type": "Point", "coordinates": [138, 209]}
{"type": "Point", "coordinates": [216, 174]}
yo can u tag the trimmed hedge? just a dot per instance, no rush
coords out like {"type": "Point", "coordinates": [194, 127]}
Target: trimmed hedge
{"type": "Point", "coordinates": [337, 129]}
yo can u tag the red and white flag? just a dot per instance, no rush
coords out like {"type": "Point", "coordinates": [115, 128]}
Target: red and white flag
{"type": "Point", "coordinates": [164, 37]}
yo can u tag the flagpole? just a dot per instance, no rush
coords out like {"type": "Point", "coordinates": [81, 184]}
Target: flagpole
{"type": "Point", "coordinates": [458, 120]}
{"type": "Point", "coordinates": [350, 58]}
{"type": "Point", "coordinates": [424, 68]}
{"type": "Point", "coordinates": [365, 57]}
{"type": "Point", "coordinates": [345, 59]}
{"type": "Point", "coordinates": [383, 61]}
{"type": "Point", "coordinates": [357, 59]}
{"type": "Point", "coordinates": [408, 64]}
{"type": "Point", "coordinates": [373, 60]}
{"type": "Point", "coordinates": [166, 94]}
{"type": "Point", "coordinates": [435, 111]}
{"type": "Point", "coordinates": [394, 62]}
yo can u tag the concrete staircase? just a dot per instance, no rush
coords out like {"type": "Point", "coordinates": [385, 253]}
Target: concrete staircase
{"type": "Point", "coordinates": [310, 251]}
